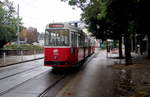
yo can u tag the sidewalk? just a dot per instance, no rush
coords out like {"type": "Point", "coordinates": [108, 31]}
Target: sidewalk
{"type": "Point", "coordinates": [9, 60]}
{"type": "Point", "coordinates": [104, 77]}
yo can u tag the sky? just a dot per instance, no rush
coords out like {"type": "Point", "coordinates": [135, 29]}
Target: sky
{"type": "Point", "coordinates": [38, 13]}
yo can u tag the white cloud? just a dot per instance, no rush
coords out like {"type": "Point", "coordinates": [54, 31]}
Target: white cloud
{"type": "Point", "coordinates": [38, 13]}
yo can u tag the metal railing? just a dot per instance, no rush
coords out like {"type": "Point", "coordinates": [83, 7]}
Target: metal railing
{"type": "Point", "coordinates": [19, 56]}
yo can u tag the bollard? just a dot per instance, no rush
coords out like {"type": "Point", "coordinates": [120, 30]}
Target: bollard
{"type": "Point", "coordinates": [34, 54]}
{"type": "Point", "coordinates": [106, 54]}
{"type": "Point", "coordinates": [4, 57]}
{"type": "Point", "coordinates": [21, 55]}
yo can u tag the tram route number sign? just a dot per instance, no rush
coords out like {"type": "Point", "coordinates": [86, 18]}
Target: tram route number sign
{"type": "Point", "coordinates": [56, 25]}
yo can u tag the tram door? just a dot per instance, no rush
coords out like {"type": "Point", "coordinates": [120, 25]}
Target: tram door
{"type": "Point", "coordinates": [74, 46]}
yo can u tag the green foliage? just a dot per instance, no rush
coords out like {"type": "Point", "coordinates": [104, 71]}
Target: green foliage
{"type": "Point", "coordinates": [23, 47]}
{"type": "Point", "coordinates": [32, 35]}
{"type": "Point", "coordinates": [8, 22]}
{"type": "Point", "coordinates": [95, 9]}
{"type": "Point", "coordinates": [94, 15]}
{"type": "Point", "coordinates": [7, 32]}
{"type": "Point", "coordinates": [79, 3]}
{"type": "Point", "coordinates": [116, 18]}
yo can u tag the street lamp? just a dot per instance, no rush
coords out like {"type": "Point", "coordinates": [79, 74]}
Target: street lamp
{"type": "Point", "coordinates": [18, 38]}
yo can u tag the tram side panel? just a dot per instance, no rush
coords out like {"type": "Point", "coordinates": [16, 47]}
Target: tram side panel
{"type": "Point", "coordinates": [86, 52]}
{"type": "Point", "coordinates": [80, 54]}
{"type": "Point", "coordinates": [74, 55]}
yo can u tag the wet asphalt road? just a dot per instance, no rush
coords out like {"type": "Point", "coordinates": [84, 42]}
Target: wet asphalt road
{"type": "Point", "coordinates": [110, 77]}
{"type": "Point", "coordinates": [26, 79]}
{"type": "Point", "coordinates": [98, 77]}
{"type": "Point", "coordinates": [32, 78]}
{"type": "Point", "coordinates": [95, 80]}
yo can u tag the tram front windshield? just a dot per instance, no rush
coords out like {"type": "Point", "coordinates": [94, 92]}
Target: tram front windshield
{"type": "Point", "coordinates": [57, 37]}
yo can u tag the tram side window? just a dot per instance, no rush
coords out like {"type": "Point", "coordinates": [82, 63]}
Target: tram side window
{"type": "Point", "coordinates": [76, 42]}
{"type": "Point", "coordinates": [86, 42]}
{"type": "Point", "coordinates": [53, 41]}
{"type": "Point", "coordinates": [46, 38]}
{"type": "Point", "coordinates": [73, 39]}
{"type": "Point", "coordinates": [80, 41]}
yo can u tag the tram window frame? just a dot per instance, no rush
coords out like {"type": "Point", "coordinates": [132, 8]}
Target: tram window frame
{"type": "Point", "coordinates": [46, 38]}
{"type": "Point", "coordinates": [76, 42]}
{"type": "Point", "coordinates": [55, 38]}
{"type": "Point", "coordinates": [77, 35]}
{"type": "Point", "coordinates": [73, 39]}
{"type": "Point", "coordinates": [80, 40]}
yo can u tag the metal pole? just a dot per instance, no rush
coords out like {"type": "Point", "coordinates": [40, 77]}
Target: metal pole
{"type": "Point", "coordinates": [21, 55]}
{"type": "Point", "coordinates": [18, 38]}
{"type": "Point", "coordinates": [106, 49]}
{"type": "Point", "coordinates": [34, 54]}
{"type": "Point", "coordinates": [4, 57]}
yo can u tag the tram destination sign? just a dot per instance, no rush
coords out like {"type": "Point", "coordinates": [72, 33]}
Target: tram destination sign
{"type": "Point", "coordinates": [56, 25]}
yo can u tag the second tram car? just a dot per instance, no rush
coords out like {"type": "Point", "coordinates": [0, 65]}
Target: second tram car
{"type": "Point", "coordinates": [66, 45]}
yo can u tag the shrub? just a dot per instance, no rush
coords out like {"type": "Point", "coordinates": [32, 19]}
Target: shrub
{"type": "Point", "coordinates": [23, 47]}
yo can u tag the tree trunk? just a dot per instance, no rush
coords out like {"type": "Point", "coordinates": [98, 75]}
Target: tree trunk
{"type": "Point", "coordinates": [148, 48]}
{"type": "Point", "coordinates": [127, 43]}
{"type": "Point", "coordinates": [120, 47]}
{"type": "Point", "coordinates": [2, 43]}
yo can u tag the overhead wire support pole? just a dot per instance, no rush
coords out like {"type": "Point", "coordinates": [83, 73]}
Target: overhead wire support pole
{"type": "Point", "coordinates": [18, 34]}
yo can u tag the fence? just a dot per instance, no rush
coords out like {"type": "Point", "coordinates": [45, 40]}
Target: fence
{"type": "Point", "coordinates": [14, 56]}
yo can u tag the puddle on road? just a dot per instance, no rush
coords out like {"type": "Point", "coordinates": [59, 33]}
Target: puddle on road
{"type": "Point", "coordinates": [132, 81]}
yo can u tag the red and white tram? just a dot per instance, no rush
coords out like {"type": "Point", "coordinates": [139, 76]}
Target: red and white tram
{"type": "Point", "coordinates": [66, 45]}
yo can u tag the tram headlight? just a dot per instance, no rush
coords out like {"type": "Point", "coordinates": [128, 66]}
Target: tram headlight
{"type": "Point", "coordinates": [55, 52]}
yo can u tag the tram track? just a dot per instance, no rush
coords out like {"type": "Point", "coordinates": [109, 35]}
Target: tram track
{"type": "Point", "coordinates": [13, 64]}
{"type": "Point", "coordinates": [12, 71]}
{"type": "Point", "coordinates": [54, 88]}
{"type": "Point", "coordinates": [19, 72]}
{"type": "Point", "coordinates": [13, 85]}
{"type": "Point", "coordinates": [65, 78]}
{"type": "Point", "coordinates": [55, 80]}
{"type": "Point", "coordinates": [42, 94]}
{"type": "Point", "coordinates": [4, 92]}
{"type": "Point", "coordinates": [16, 65]}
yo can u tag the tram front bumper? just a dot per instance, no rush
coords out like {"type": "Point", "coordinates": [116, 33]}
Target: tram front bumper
{"type": "Point", "coordinates": [57, 63]}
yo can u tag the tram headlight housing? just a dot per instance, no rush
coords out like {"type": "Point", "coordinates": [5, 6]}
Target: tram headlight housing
{"type": "Point", "coordinates": [55, 52]}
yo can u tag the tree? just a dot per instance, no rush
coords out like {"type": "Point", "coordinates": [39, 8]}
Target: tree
{"type": "Point", "coordinates": [117, 15]}
{"type": "Point", "coordinates": [98, 15]}
{"type": "Point", "coordinates": [23, 34]}
{"type": "Point", "coordinates": [32, 35]}
{"type": "Point", "coordinates": [82, 4]}
{"type": "Point", "coordinates": [116, 19]}
{"type": "Point", "coordinates": [143, 20]}
{"type": "Point", "coordinates": [8, 22]}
